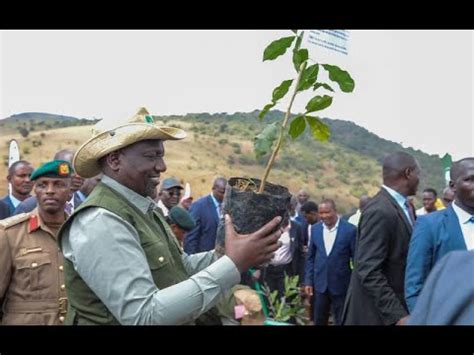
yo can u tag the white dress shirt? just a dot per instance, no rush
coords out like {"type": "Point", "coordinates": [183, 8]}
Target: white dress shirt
{"type": "Point", "coordinates": [467, 227]}
{"type": "Point", "coordinates": [329, 236]}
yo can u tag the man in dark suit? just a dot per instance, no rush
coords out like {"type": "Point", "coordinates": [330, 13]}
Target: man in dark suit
{"type": "Point", "coordinates": [206, 212]}
{"type": "Point", "coordinates": [376, 293]}
{"type": "Point", "coordinates": [4, 210]}
{"type": "Point", "coordinates": [448, 295]}
{"type": "Point", "coordinates": [310, 216]}
{"type": "Point", "coordinates": [443, 231]}
{"type": "Point", "coordinates": [328, 269]}
{"type": "Point", "coordinates": [19, 177]}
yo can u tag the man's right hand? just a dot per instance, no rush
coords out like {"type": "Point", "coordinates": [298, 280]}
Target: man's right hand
{"type": "Point", "coordinates": [308, 290]}
{"type": "Point", "coordinates": [253, 249]}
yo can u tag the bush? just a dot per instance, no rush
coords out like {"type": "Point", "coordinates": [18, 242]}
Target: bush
{"type": "Point", "coordinates": [23, 131]}
{"type": "Point", "coordinates": [26, 150]}
{"type": "Point", "coordinates": [223, 141]}
{"type": "Point", "coordinates": [223, 128]}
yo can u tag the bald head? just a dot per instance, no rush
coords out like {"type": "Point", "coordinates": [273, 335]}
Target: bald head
{"type": "Point", "coordinates": [394, 165]}
{"type": "Point", "coordinates": [460, 167]}
{"type": "Point", "coordinates": [303, 196]}
{"type": "Point", "coordinates": [401, 172]}
{"type": "Point", "coordinates": [65, 154]}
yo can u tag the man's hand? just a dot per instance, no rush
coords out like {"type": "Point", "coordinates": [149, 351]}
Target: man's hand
{"type": "Point", "coordinates": [253, 249]}
{"type": "Point", "coordinates": [308, 290]}
{"type": "Point", "coordinates": [402, 321]}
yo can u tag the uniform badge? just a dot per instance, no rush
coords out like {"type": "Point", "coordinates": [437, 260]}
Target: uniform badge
{"type": "Point", "coordinates": [63, 169]}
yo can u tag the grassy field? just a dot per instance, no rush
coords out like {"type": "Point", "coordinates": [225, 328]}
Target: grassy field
{"type": "Point", "coordinates": [208, 153]}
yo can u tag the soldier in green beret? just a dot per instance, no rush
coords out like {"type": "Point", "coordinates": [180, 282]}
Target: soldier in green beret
{"type": "Point", "coordinates": [180, 222]}
{"type": "Point", "coordinates": [32, 288]}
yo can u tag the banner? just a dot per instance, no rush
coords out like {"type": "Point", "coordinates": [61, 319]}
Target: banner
{"type": "Point", "coordinates": [13, 156]}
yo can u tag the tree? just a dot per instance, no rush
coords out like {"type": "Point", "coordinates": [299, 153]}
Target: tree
{"type": "Point", "coordinates": [272, 136]}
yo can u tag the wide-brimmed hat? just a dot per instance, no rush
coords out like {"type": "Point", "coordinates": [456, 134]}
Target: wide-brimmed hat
{"type": "Point", "coordinates": [108, 138]}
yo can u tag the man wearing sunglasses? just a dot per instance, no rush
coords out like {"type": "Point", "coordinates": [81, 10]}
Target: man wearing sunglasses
{"type": "Point", "coordinates": [169, 195]}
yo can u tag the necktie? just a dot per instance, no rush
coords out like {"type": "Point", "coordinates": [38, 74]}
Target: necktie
{"type": "Point", "coordinates": [410, 213]}
{"type": "Point", "coordinates": [68, 208]}
{"type": "Point", "coordinates": [471, 219]}
{"type": "Point", "coordinates": [219, 209]}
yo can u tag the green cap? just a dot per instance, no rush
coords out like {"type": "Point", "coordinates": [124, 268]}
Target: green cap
{"type": "Point", "coordinates": [182, 218]}
{"type": "Point", "coordinates": [54, 168]}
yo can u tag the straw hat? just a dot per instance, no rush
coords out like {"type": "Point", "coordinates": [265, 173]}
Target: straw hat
{"type": "Point", "coordinates": [109, 137]}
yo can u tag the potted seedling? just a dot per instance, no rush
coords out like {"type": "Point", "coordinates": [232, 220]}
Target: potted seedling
{"type": "Point", "coordinates": [253, 202]}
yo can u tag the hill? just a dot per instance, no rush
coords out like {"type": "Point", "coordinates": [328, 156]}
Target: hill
{"type": "Point", "coordinates": [222, 144]}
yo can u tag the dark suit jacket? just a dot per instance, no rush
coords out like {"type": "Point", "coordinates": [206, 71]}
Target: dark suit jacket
{"type": "Point", "coordinates": [296, 266]}
{"type": "Point", "coordinates": [4, 210]}
{"type": "Point", "coordinates": [331, 272]}
{"type": "Point", "coordinates": [448, 295]}
{"type": "Point", "coordinates": [30, 204]}
{"type": "Point", "coordinates": [434, 235]}
{"type": "Point", "coordinates": [376, 292]}
{"type": "Point", "coordinates": [11, 208]}
{"type": "Point", "coordinates": [203, 236]}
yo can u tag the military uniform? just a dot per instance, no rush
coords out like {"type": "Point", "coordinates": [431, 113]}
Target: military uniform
{"type": "Point", "coordinates": [32, 289]}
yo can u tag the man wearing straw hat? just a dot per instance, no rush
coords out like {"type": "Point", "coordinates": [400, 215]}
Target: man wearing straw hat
{"type": "Point", "coordinates": [122, 263]}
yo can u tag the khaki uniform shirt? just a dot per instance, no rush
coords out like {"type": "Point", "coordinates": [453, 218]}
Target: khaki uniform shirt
{"type": "Point", "coordinates": [32, 290]}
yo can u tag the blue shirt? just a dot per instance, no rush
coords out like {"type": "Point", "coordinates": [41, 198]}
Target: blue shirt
{"type": "Point", "coordinates": [216, 205]}
{"type": "Point", "coordinates": [401, 200]}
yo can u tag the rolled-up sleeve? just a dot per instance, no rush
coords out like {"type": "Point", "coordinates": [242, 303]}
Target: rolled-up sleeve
{"type": "Point", "coordinates": [114, 266]}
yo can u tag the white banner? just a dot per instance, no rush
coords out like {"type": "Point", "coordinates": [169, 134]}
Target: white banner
{"type": "Point", "coordinates": [13, 156]}
{"type": "Point", "coordinates": [332, 40]}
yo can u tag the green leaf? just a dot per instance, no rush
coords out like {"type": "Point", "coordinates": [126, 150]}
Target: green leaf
{"type": "Point", "coordinates": [280, 91]}
{"type": "Point", "coordinates": [264, 141]}
{"type": "Point", "coordinates": [267, 108]}
{"type": "Point", "coordinates": [308, 78]}
{"type": "Point", "coordinates": [342, 77]}
{"type": "Point", "coordinates": [324, 85]}
{"type": "Point", "coordinates": [299, 56]}
{"type": "Point", "coordinates": [277, 48]}
{"type": "Point", "coordinates": [319, 129]}
{"type": "Point", "coordinates": [297, 127]}
{"type": "Point", "coordinates": [318, 103]}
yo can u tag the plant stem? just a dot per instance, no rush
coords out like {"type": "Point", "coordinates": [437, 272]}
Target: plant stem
{"type": "Point", "coordinates": [282, 131]}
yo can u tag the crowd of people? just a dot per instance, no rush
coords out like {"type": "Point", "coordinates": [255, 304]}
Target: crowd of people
{"type": "Point", "coordinates": [95, 236]}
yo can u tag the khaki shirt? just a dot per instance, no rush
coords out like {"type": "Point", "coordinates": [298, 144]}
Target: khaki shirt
{"type": "Point", "coordinates": [32, 290]}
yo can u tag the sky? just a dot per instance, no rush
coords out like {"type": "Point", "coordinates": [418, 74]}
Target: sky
{"type": "Point", "coordinates": [412, 87]}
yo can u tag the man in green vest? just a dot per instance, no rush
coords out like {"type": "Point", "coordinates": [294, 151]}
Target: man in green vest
{"type": "Point", "coordinates": [122, 263]}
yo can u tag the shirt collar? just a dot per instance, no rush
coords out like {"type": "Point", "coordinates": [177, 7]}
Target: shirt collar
{"type": "Point", "coordinates": [216, 203]}
{"type": "Point", "coordinates": [463, 216]}
{"type": "Point", "coordinates": [333, 228]}
{"type": "Point", "coordinates": [144, 204]}
{"type": "Point", "coordinates": [396, 195]}
{"type": "Point", "coordinates": [14, 200]}
{"type": "Point", "coordinates": [81, 196]}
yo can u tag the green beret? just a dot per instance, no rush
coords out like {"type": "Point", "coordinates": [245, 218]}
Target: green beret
{"type": "Point", "coordinates": [54, 168]}
{"type": "Point", "coordinates": [182, 218]}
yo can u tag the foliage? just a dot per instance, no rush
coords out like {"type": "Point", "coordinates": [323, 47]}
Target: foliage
{"type": "Point", "coordinates": [274, 134]}
{"type": "Point", "coordinates": [290, 306]}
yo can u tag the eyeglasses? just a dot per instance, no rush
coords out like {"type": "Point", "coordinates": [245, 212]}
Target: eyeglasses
{"type": "Point", "coordinates": [174, 192]}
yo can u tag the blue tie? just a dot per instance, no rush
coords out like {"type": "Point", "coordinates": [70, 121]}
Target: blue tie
{"type": "Point", "coordinates": [410, 216]}
{"type": "Point", "coordinates": [471, 219]}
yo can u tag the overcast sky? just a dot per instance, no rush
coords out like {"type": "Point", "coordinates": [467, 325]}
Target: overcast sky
{"type": "Point", "coordinates": [413, 87]}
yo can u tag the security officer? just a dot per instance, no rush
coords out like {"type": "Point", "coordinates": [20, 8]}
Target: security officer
{"type": "Point", "coordinates": [32, 290]}
{"type": "Point", "coordinates": [180, 222]}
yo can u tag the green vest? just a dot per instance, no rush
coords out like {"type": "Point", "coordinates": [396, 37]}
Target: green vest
{"type": "Point", "coordinates": [161, 248]}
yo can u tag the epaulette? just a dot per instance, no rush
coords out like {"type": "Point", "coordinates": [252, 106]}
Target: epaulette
{"type": "Point", "coordinates": [14, 220]}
